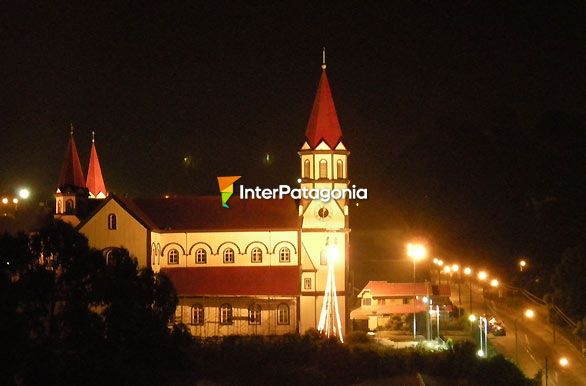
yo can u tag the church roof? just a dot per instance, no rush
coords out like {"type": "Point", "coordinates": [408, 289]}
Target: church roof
{"type": "Point", "coordinates": [95, 181]}
{"type": "Point", "coordinates": [235, 281]}
{"type": "Point", "coordinates": [71, 172]}
{"type": "Point", "coordinates": [323, 122]}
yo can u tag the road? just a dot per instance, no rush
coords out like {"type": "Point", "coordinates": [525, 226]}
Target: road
{"type": "Point", "coordinates": [535, 338]}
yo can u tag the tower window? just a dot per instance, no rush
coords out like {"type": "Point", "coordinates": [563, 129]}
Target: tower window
{"type": "Point", "coordinates": [323, 168]}
{"type": "Point", "coordinates": [340, 169]}
{"type": "Point", "coordinates": [306, 169]}
{"type": "Point", "coordinates": [284, 255]}
{"type": "Point", "coordinates": [254, 314]}
{"type": "Point", "coordinates": [69, 206]}
{"type": "Point", "coordinates": [112, 221]}
{"type": "Point", "coordinates": [228, 255]}
{"type": "Point", "coordinates": [256, 255]}
{"type": "Point", "coordinates": [283, 314]}
{"type": "Point", "coordinates": [225, 314]}
{"type": "Point", "coordinates": [197, 315]}
{"type": "Point", "coordinates": [173, 256]}
{"type": "Point", "coordinates": [307, 283]}
{"type": "Point", "coordinates": [201, 256]}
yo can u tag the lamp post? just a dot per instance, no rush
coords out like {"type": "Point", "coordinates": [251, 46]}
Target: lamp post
{"type": "Point", "coordinates": [562, 362]}
{"type": "Point", "coordinates": [482, 275]}
{"type": "Point", "coordinates": [415, 252]}
{"type": "Point", "coordinates": [522, 264]}
{"type": "Point", "coordinates": [468, 272]}
{"type": "Point", "coordinates": [529, 314]}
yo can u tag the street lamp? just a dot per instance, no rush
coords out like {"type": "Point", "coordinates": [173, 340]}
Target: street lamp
{"type": "Point", "coordinates": [468, 272]}
{"type": "Point", "coordinates": [494, 283]}
{"type": "Point", "coordinates": [415, 252]}
{"type": "Point", "coordinates": [522, 265]}
{"type": "Point", "coordinates": [482, 275]}
{"type": "Point", "coordinates": [5, 200]}
{"type": "Point", "coordinates": [528, 314]}
{"type": "Point", "coordinates": [24, 193]}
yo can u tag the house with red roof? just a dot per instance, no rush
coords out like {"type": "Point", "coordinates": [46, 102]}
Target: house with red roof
{"type": "Point", "coordinates": [257, 267]}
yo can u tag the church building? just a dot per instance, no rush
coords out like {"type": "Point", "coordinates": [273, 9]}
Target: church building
{"type": "Point", "coordinates": [259, 267]}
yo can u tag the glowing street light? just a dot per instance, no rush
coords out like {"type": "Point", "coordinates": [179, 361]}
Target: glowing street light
{"type": "Point", "coordinates": [482, 275]}
{"type": "Point", "coordinates": [15, 200]}
{"type": "Point", "coordinates": [467, 271]}
{"type": "Point", "coordinates": [522, 265]}
{"type": "Point", "coordinates": [440, 262]}
{"type": "Point", "coordinates": [24, 193]}
{"type": "Point", "coordinates": [415, 252]}
{"type": "Point", "coordinates": [5, 200]}
{"type": "Point", "coordinates": [564, 362]}
{"type": "Point", "coordinates": [472, 318]}
{"type": "Point", "coordinates": [494, 283]}
{"type": "Point", "coordinates": [528, 314]}
{"type": "Point", "coordinates": [447, 269]}
{"type": "Point", "coordinates": [455, 267]}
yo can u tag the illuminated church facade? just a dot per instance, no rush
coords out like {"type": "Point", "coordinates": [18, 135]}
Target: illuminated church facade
{"type": "Point", "coordinates": [259, 267]}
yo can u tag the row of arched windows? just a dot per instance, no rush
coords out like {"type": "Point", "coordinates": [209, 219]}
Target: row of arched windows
{"type": "Point", "coordinates": [226, 314]}
{"type": "Point", "coordinates": [323, 169]}
{"type": "Point", "coordinates": [228, 255]}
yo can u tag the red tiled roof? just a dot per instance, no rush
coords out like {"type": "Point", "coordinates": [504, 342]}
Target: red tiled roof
{"type": "Point", "coordinates": [323, 122]}
{"type": "Point", "coordinates": [235, 281]}
{"type": "Point", "coordinates": [71, 173]}
{"type": "Point", "coordinates": [207, 213]}
{"type": "Point", "coordinates": [95, 181]}
{"type": "Point", "coordinates": [384, 288]}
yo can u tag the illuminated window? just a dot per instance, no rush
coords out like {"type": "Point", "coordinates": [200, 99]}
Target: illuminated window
{"type": "Point", "coordinates": [158, 254]}
{"type": "Point", "coordinates": [173, 256]}
{"type": "Point", "coordinates": [283, 314]}
{"type": "Point", "coordinates": [154, 254]}
{"type": "Point", "coordinates": [59, 207]}
{"type": "Point", "coordinates": [323, 169]}
{"type": "Point", "coordinates": [201, 256]}
{"type": "Point", "coordinates": [225, 314]}
{"type": "Point", "coordinates": [307, 283]}
{"type": "Point", "coordinates": [339, 169]}
{"type": "Point", "coordinates": [366, 302]}
{"type": "Point", "coordinates": [197, 315]}
{"type": "Point", "coordinates": [306, 169]}
{"type": "Point", "coordinates": [254, 314]}
{"type": "Point", "coordinates": [178, 317]}
{"type": "Point", "coordinates": [69, 206]}
{"type": "Point", "coordinates": [284, 255]}
{"type": "Point", "coordinates": [228, 255]}
{"type": "Point", "coordinates": [381, 302]}
{"type": "Point", "coordinates": [112, 221]}
{"type": "Point", "coordinates": [256, 255]}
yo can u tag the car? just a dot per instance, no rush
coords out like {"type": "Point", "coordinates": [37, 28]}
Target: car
{"type": "Point", "coordinates": [499, 329]}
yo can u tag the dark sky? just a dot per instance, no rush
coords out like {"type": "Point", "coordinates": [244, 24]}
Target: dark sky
{"type": "Point", "coordinates": [443, 105]}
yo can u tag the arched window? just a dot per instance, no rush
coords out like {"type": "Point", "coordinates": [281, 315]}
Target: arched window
{"type": "Point", "coordinates": [306, 169]}
{"type": "Point", "coordinates": [59, 207]}
{"type": "Point", "coordinates": [197, 315]}
{"type": "Point", "coordinates": [69, 206]}
{"type": "Point", "coordinates": [225, 314]}
{"type": "Point", "coordinates": [284, 255]}
{"type": "Point", "coordinates": [109, 255]}
{"type": "Point", "coordinates": [339, 169]}
{"type": "Point", "coordinates": [158, 254]}
{"type": "Point", "coordinates": [201, 256]}
{"type": "Point", "coordinates": [112, 221]}
{"type": "Point", "coordinates": [283, 314]}
{"type": "Point", "coordinates": [256, 255]}
{"type": "Point", "coordinates": [173, 257]}
{"type": "Point", "coordinates": [323, 168]}
{"type": "Point", "coordinates": [254, 314]}
{"type": "Point", "coordinates": [323, 257]}
{"type": "Point", "coordinates": [228, 255]}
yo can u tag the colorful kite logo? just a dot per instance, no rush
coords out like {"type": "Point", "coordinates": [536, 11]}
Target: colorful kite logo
{"type": "Point", "coordinates": [226, 185]}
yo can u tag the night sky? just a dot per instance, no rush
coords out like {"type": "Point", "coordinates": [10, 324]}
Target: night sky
{"type": "Point", "coordinates": [464, 119]}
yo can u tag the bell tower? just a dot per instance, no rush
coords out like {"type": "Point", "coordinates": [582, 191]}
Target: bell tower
{"type": "Point", "coordinates": [324, 225]}
{"type": "Point", "coordinates": [71, 194]}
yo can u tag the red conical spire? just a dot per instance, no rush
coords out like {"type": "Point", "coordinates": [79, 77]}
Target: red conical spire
{"type": "Point", "coordinates": [71, 173]}
{"type": "Point", "coordinates": [95, 181]}
{"type": "Point", "coordinates": [323, 122]}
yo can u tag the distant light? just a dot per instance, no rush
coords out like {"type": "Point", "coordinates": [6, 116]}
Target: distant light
{"type": "Point", "coordinates": [15, 200]}
{"type": "Point", "coordinates": [166, 196]}
{"type": "Point", "coordinates": [482, 275]}
{"type": "Point", "coordinates": [467, 271]}
{"type": "Point", "coordinates": [472, 318]}
{"type": "Point", "coordinates": [425, 299]}
{"type": "Point", "coordinates": [480, 353]}
{"type": "Point", "coordinates": [440, 262]}
{"type": "Point", "coordinates": [522, 263]}
{"type": "Point", "coordinates": [357, 204]}
{"type": "Point", "coordinates": [416, 251]}
{"type": "Point", "coordinates": [5, 200]}
{"type": "Point", "coordinates": [494, 283]}
{"type": "Point", "coordinates": [435, 260]}
{"type": "Point", "coordinates": [299, 180]}
{"type": "Point", "coordinates": [564, 361]}
{"type": "Point", "coordinates": [529, 313]}
{"type": "Point", "coordinates": [24, 193]}
{"type": "Point", "coordinates": [455, 267]}
{"type": "Point", "coordinates": [447, 269]}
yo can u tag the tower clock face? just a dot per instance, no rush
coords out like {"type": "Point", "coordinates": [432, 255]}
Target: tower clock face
{"type": "Point", "coordinates": [322, 213]}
